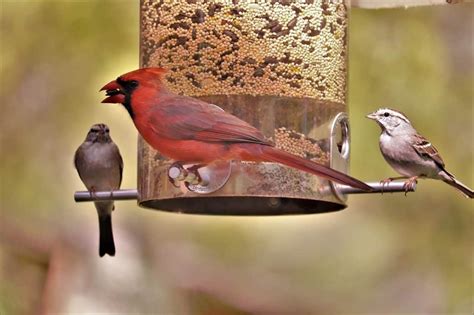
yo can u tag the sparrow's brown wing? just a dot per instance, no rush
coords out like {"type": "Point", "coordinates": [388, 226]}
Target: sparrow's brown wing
{"type": "Point", "coordinates": [425, 149]}
{"type": "Point", "coordinates": [78, 159]}
{"type": "Point", "coordinates": [118, 156]}
{"type": "Point", "coordinates": [121, 170]}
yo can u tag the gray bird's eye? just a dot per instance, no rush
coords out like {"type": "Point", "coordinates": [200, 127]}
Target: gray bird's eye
{"type": "Point", "coordinates": [386, 114]}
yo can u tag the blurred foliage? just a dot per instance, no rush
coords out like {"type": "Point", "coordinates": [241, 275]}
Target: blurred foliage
{"type": "Point", "coordinates": [385, 254]}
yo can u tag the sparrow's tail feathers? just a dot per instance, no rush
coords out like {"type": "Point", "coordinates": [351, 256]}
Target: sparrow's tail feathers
{"type": "Point", "coordinates": [272, 154]}
{"type": "Point", "coordinates": [468, 192]}
{"type": "Point", "coordinates": [106, 237]}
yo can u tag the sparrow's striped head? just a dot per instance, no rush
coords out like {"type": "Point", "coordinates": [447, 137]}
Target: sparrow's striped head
{"type": "Point", "coordinates": [99, 133]}
{"type": "Point", "coordinates": [389, 119]}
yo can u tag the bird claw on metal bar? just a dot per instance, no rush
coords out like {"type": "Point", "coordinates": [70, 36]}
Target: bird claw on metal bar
{"type": "Point", "coordinates": [378, 187]}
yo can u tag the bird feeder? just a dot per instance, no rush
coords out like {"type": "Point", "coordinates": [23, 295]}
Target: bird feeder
{"type": "Point", "coordinates": [280, 66]}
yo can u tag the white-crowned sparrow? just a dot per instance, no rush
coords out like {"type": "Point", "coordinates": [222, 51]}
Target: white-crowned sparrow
{"type": "Point", "coordinates": [409, 153]}
{"type": "Point", "coordinates": [99, 164]}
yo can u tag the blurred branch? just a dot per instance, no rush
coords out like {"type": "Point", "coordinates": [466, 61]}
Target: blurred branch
{"type": "Point", "coordinates": [61, 270]}
{"type": "Point", "coordinates": [55, 254]}
{"type": "Point", "coordinates": [25, 242]}
{"type": "Point", "coordinates": [193, 270]}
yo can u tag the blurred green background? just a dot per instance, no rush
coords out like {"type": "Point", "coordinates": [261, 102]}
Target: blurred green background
{"type": "Point", "coordinates": [387, 254]}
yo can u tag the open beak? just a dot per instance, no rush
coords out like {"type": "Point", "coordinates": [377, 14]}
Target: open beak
{"type": "Point", "coordinates": [372, 116]}
{"type": "Point", "coordinates": [114, 93]}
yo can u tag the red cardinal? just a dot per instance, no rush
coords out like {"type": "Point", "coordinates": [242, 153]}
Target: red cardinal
{"type": "Point", "coordinates": [191, 131]}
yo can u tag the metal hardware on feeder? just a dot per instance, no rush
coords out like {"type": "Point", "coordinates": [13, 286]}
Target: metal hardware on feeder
{"type": "Point", "coordinates": [211, 177]}
{"type": "Point", "coordinates": [121, 194]}
{"type": "Point", "coordinates": [176, 173]}
{"type": "Point", "coordinates": [181, 174]}
{"type": "Point", "coordinates": [339, 149]}
{"type": "Point", "coordinates": [132, 194]}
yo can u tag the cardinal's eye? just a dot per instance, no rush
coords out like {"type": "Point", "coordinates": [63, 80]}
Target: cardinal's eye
{"type": "Point", "coordinates": [386, 114]}
{"type": "Point", "coordinates": [133, 84]}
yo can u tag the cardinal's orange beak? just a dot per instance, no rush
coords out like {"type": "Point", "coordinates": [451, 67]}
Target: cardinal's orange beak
{"type": "Point", "coordinates": [114, 92]}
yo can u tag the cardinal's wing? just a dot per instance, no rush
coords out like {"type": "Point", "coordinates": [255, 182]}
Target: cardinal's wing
{"type": "Point", "coordinates": [185, 118]}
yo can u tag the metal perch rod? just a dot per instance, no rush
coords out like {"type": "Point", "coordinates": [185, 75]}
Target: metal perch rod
{"type": "Point", "coordinates": [132, 194]}
{"type": "Point", "coordinates": [122, 194]}
{"type": "Point", "coordinates": [392, 187]}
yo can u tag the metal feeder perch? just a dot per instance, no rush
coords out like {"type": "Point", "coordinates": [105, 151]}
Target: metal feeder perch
{"type": "Point", "coordinates": [282, 67]}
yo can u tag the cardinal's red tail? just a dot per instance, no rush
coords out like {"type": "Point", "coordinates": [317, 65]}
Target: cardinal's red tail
{"type": "Point", "coordinates": [272, 154]}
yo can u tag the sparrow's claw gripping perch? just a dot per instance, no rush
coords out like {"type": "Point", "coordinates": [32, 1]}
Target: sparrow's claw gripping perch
{"type": "Point", "coordinates": [387, 181]}
{"type": "Point", "coordinates": [410, 184]}
{"type": "Point", "coordinates": [92, 192]}
{"type": "Point", "coordinates": [111, 197]}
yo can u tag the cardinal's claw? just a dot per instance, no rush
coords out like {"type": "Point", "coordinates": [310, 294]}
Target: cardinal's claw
{"type": "Point", "coordinates": [181, 176]}
{"type": "Point", "coordinates": [193, 177]}
{"type": "Point", "coordinates": [172, 181]}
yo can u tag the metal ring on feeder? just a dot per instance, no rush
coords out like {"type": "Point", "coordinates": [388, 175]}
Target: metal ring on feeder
{"type": "Point", "coordinates": [340, 148]}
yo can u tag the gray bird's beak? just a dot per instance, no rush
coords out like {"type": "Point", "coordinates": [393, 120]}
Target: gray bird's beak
{"type": "Point", "coordinates": [372, 116]}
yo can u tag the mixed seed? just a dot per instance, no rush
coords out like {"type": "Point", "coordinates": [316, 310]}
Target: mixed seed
{"type": "Point", "coordinates": [299, 144]}
{"type": "Point", "coordinates": [279, 48]}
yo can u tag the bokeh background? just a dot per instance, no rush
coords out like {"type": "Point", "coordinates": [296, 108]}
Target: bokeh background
{"type": "Point", "coordinates": [387, 254]}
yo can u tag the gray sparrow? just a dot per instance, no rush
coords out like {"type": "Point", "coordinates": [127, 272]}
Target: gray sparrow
{"type": "Point", "coordinates": [409, 153]}
{"type": "Point", "coordinates": [99, 164]}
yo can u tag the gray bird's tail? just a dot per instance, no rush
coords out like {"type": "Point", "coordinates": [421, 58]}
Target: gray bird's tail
{"type": "Point", "coordinates": [106, 236]}
{"type": "Point", "coordinates": [460, 186]}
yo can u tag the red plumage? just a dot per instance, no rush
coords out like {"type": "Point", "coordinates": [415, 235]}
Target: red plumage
{"type": "Point", "coordinates": [189, 130]}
